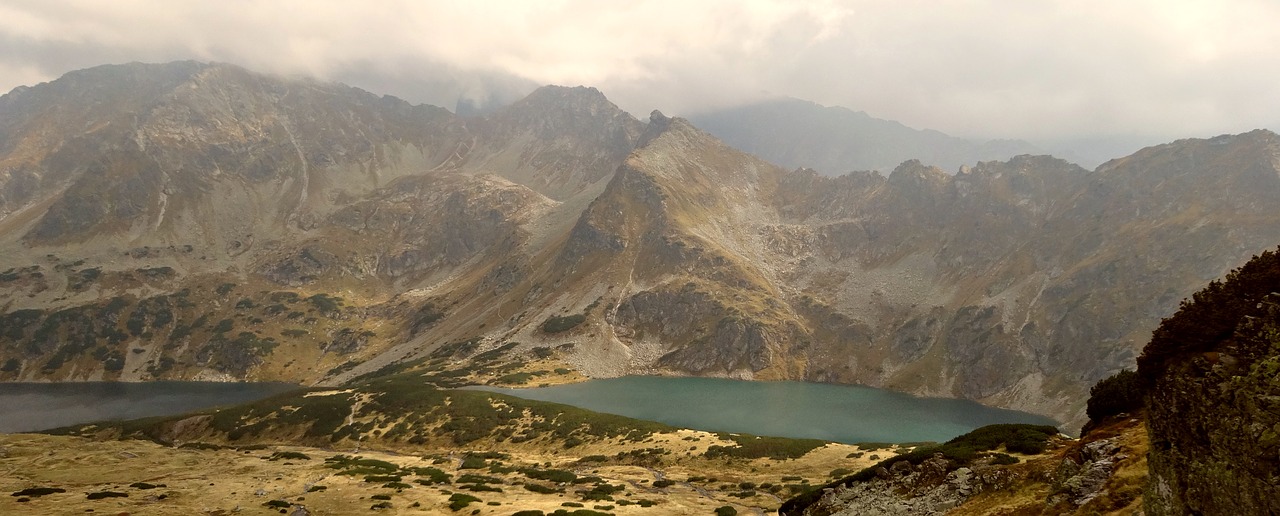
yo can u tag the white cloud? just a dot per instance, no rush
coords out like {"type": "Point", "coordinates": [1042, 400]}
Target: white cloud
{"type": "Point", "coordinates": [1037, 69]}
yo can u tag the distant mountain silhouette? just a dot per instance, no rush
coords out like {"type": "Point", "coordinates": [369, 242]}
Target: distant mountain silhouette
{"type": "Point", "coordinates": [833, 140]}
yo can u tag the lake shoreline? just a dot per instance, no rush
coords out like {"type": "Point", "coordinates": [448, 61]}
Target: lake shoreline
{"type": "Point", "coordinates": [835, 407]}
{"type": "Point", "coordinates": [38, 406]}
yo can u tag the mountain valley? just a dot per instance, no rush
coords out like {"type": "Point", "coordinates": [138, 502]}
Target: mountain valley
{"type": "Point", "coordinates": [199, 221]}
{"type": "Point", "coordinates": [196, 221]}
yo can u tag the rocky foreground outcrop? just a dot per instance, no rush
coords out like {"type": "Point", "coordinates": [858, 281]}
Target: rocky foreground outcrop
{"type": "Point", "coordinates": [1100, 473]}
{"type": "Point", "coordinates": [1214, 399]}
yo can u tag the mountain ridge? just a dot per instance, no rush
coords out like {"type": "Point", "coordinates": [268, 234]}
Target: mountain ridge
{"type": "Point", "coordinates": [835, 140]}
{"type": "Point", "coordinates": [337, 233]}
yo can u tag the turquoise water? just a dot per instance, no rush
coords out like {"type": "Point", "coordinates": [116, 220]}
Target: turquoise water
{"type": "Point", "coordinates": [841, 413]}
{"type": "Point", "coordinates": [27, 407]}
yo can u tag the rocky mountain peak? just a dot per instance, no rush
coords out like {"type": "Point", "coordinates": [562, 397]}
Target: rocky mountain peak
{"type": "Point", "coordinates": [913, 173]}
{"type": "Point", "coordinates": [1260, 143]}
{"type": "Point", "coordinates": [658, 124]}
{"type": "Point", "coordinates": [563, 140]}
{"type": "Point", "coordinates": [561, 110]}
{"type": "Point", "coordinates": [552, 93]}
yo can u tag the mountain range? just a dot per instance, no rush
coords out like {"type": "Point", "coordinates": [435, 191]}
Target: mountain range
{"type": "Point", "coordinates": [200, 221]}
{"type": "Point", "coordinates": [834, 140]}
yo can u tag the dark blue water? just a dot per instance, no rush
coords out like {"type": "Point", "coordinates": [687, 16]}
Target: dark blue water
{"type": "Point", "coordinates": [27, 407]}
{"type": "Point", "coordinates": [841, 413]}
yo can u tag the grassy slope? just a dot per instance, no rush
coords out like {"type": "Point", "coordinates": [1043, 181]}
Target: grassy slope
{"type": "Point", "coordinates": [407, 416]}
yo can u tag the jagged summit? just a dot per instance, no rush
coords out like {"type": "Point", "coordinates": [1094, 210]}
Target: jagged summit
{"type": "Point", "coordinates": [561, 108]}
{"type": "Point", "coordinates": [556, 94]}
{"type": "Point", "coordinates": [914, 172]}
{"type": "Point", "coordinates": [569, 139]}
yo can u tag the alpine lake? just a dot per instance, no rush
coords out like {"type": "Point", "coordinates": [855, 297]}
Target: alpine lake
{"type": "Point", "coordinates": [840, 413]}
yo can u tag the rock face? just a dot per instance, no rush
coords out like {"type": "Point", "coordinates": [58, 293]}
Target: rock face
{"type": "Point", "coordinates": [1100, 473]}
{"type": "Point", "coordinates": [1079, 482]}
{"type": "Point", "coordinates": [928, 488]}
{"type": "Point", "coordinates": [315, 232]}
{"type": "Point", "coordinates": [1214, 400]}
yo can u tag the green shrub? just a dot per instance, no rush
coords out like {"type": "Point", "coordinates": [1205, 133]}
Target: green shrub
{"type": "Point", "coordinates": [433, 476]}
{"type": "Point", "coordinates": [284, 296]}
{"type": "Point", "coordinates": [458, 501]}
{"type": "Point", "coordinates": [726, 510]}
{"type": "Point", "coordinates": [288, 455]}
{"type": "Point", "coordinates": [1211, 315]}
{"type": "Point", "coordinates": [601, 492]}
{"type": "Point", "coordinates": [480, 488]}
{"type": "Point", "coordinates": [471, 478]}
{"type": "Point", "coordinates": [325, 303]}
{"type": "Point", "coordinates": [224, 326]}
{"type": "Point", "coordinates": [473, 462]}
{"type": "Point", "coordinates": [493, 354]}
{"type": "Point", "coordinates": [541, 489]}
{"type": "Point", "coordinates": [753, 447]}
{"type": "Point", "coordinates": [358, 465]}
{"type": "Point", "coordinates": [39, 491]}
{"type": "Point", "coordinates": [553, 475]}
{"type": "Point", "coordinates": [1118, 393]}
{"type": "Point", "coordinates": [556, 324]}
{"type": "Point", "coordinates": [515, 378]}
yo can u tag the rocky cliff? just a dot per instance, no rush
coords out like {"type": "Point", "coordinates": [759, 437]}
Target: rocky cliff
{"type": "Point", "coordinates": [191, 220]}
{"type": "Point", "coordinates": [1101, 473]}
{"type": "Point", "coordinates": [1213, 370]}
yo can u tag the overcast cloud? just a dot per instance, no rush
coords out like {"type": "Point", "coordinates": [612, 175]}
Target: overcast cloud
{"type": "Point", "coordinates": [987, 69]}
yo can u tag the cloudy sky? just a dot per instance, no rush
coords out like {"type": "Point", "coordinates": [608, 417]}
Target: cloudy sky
{"type": "Point", "coordinates": [1033, 69]}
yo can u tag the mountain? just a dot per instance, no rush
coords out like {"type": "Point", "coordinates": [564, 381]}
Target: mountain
{"type": "Point", "coordinates": [199, 221]}
{"type": "Point", "coordinates": [834, 140]}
